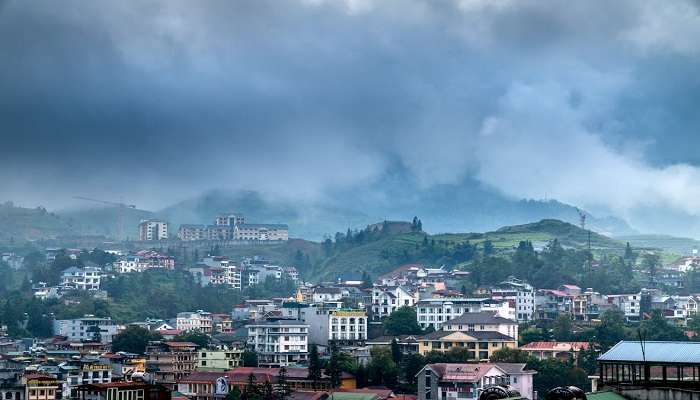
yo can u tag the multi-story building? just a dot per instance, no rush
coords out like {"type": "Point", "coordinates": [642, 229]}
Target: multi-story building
{"type": "Point", "coordinates": [171, 361]}
{"type": "Point", "coordinates": [562, 350]}
{"type": "Point", "coordinates": [387, 299]}
{"type": "Point", "coordinates": [197, 321]}
{"type": "Point", "coordinates": [82, 372]}
{"type": "Point", "coordinates": [40, 387]}
{"type": "Point", "coordinates": [86, 278]}
{"type": "Point", "coordinates": [434, 312]}
{"type": "Point", "coordinates": [482, 321]}
{"type": "Point", "coordinates": [281, 342]}
{"type": "Point", "coordinates": [261, 232]}
{"type": "Point", "coordinates": [143, 260]}
{"type": "Point", "coordinates": [520, 294]}
{"type": "Point", "coordinates": [550, 303]}
{"type": "Point", "coordinates": [467, 381]}
{"type": "Point", "coordinates": [343, 327]}
{"type": "Point", "coordinates": [88, 328]}
{"type": "Point", "coordinates": [629, 304]}
{"type": "Point", "coordinates": [480, 345]}
{"type": "Point", "coordinates": [219, 360]}
{"type": "Point", "coordinates": [193, 232]}
{"type": "Point", "coordinates": [153, 229]}
{"type": "Point", "coordinates": [124, 391]}
{"type": "Point", "coordinates": [11, 386]}
{"type": "Point", "coordinates": [230, 219]}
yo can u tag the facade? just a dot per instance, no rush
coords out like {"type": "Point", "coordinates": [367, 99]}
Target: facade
{"type": "Point", "coordinates": [143, 260]}
{"type": "Point", "coordinates": [153, 229]}
{"type": "Point", "coordinates": [199, 320]}
{"type": "Point", "coordinates": [520, 294]}
{"type": "Point", "coordinates": [341, 326]}
{"type": "Point", "coordinates": [480, 322]}
{"type": "Point", "coordinates": [230, 219]}
{"type": "Point", "coordinates": [480, 345]}
{"type": "Point", "coordinates": [560, 350]}
{"type": "Point", "coordinates": [434, 312]}
{"type": "Point", "coordinates": [124, 391]}
{"type": "Point", "coordinates": [76, 373]}
{"type": "Point", "coordinates": [261, 232]}
{"type": "Point", "coordinates": [281, 342]}
{"type": "Point", "coordinates": [467, 381]}
{"type": "Point", "coordinates": [86, 278]}
{"type": "Point", "coordinates": [218, 360]}
{"type": "Point", "coordinates": [193, 232]}
{"type": "Point", "coordinates": [171, 361]}
{"type": "Point", "coordinates": [387, 299]}
{"type": "Point", "coordinates": [86, 329]}
{"type": "Point", "coordinates": [40, 387]}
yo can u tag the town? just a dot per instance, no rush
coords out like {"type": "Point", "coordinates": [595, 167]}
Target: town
{"type": "Point", "coordinates": [409, 332]}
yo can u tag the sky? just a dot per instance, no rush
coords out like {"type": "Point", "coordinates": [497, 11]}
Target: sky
{"type": "Point", "coordinates": [592, 103]}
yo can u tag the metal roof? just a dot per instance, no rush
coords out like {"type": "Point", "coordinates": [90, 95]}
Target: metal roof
{"type": "Point", "coordinates": [657, 352]}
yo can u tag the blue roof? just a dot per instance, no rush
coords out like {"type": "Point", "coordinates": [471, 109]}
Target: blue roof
{"type": "Point", "coordinates": [657, 352]}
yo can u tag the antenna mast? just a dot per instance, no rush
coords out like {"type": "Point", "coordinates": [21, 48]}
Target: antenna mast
{"type": "Point", "coordinates": [582, 222]}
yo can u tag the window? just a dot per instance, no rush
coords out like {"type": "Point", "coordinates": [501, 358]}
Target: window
{"type": "Point", "coordinates": [204, 363]}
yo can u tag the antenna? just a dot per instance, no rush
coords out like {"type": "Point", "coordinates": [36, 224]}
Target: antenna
{"type": "Point", "coordinates": [582, 223]}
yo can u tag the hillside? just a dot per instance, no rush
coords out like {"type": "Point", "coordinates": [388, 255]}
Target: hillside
{"type": "Point", "coordinates": [385, 252]}
{"type": "Point", "coordinates": [19, 223]}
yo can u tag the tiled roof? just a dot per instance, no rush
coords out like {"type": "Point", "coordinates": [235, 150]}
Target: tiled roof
{"type": "Point", "coordinates": [483, 317]}
{"type": "Point", "coordinates": [555, 346]}
{"type": "Point", "coordinates": [479, 335]}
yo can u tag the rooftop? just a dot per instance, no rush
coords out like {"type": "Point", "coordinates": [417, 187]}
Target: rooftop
{"type": "Point", "coordinates": [655, 352]}
{"type": "Point", "coordinates": [483, 317]}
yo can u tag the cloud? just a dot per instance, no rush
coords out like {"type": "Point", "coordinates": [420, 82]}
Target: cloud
{"type": "Point", "coordinates": [585, 101]}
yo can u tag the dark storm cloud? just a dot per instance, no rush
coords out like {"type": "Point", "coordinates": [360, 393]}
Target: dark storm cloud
{"type": "Point", "coordinates": [159, 100]}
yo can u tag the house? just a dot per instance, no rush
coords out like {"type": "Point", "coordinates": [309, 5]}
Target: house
{"type": "Point", "coordinates": [279, 342]}
{"type": "Point", "coordinates": [345, 327]}
{"type": "Point", "coordinates": [86, 278]}
{"type": "Point", "coordinates": [387, 299]}
{"type": "Point", "coordinates": [325, 294]}
{"type": "Point", "coordinates": [520, 294]}
{"type": "Point", "coordinates": [219, 360]}
{"type": "Point", "coordinates": [88, 328]}
{"type": "Point", "coordinates": [482, 321]}
{"type": "Point", "coordinates": [199, 320]}
{"type": "Point", "coordinates": [433, 312]}
{"type": "Point", "coordinates": [123, 391]}
{"type": "Point", "coordinates": [171, 361]}
{"type": "Point", "coordinates": [39, 386]}
{"type": "Point", "coordinates": [467, 381]}
{"type": "Point", "coordinates": [560, 350]}
{"type": "Point", "coordinates": [629, 304]}
{"type": "Point", "coordinates": [480, 345]}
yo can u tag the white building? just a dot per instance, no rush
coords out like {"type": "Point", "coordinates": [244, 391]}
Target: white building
{"type": "Point", "coordinates": [153, 229]}
{"type": "Point", "coordinates": [521, 294]}
{"type": "Point", "coordinates": [467, 381]}
{"type": "Point", "coordinates": [344, 327]}
{"type": "Point", "coordinates": [198, 321]}
{"type": "Point", "coordinates": [387, 299]}
{"type": "Point", "coordinates": [86, 329]}
{"type": "Point", "coordinates": [86, 278]}
{"type": "Point", "coordinates": [482, 321]}
{"type": "Point", "coordinates": [278, 343]}
{"type": "Point", "coordinates": [261, 232]}
{"type": "Point", "coordinates": [434, 312]}
{"type": "Point", "coordinates": [629, 304]}
{"type": "Point", "coordinates": [230, 219]}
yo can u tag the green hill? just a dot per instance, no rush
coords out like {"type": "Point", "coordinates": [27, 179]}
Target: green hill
{"type": "Point", "coordinates": [19, 223]}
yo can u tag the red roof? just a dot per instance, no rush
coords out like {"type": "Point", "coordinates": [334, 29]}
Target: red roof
{"type": "Point", "coordinates": [555, 346]}
{"type": "Point", "coordinates": [170, 332]}
{"type": "Point", "coordinates": [180, 344]}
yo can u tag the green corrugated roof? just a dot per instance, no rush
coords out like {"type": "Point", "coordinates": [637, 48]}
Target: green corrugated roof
{"type": "Point", "coordinates": [605, 395]}
{"type": "Point", "coordinates": [353, 396]}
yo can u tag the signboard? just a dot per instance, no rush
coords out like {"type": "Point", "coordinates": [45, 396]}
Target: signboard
{"type": "Point", "coordinates": [349, 313]}
{"type": "Point", "coordinates": [221, 387]}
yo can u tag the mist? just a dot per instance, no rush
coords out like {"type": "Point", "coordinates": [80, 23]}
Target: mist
{"type": "Point", "coordinates": [593, 104]}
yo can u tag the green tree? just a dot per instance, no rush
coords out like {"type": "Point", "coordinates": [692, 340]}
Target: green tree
{"type": "Point", "coordinates": [395, 351]}
{"type": "Point", "coordinates": [194, 336]}
{"type": "Point", "coordinates": [657, 328]}
{"type": "Point", "coordinates": [562, 328]}
{"type": "Point", "coordinates": [314, 366]}
{"type": "Point", "coordinates": [488, 247]}
{"type": "Point", "coordinates": [403, 321]}
{"type": "Point", "coordinates": [333, 370]}
{"type": "Point", "coordinates": [249, 358]}
{"type": "Point", "coordinates": [411, 364]}
{"type": "Point", "coordinates": [283, 389]}
{"type": "Point", "coordinates": [508, 355]}
{"type": "Point", "coordinates": [133, 339]}
{"type": "Point", "coordinates": [233, 394]}
{"type": "Point", "coordinates": [650, 263]}
{"type": "Point", "coordinates": [382, 370]}
{"type": "Point", "coordinates": [611, 328]}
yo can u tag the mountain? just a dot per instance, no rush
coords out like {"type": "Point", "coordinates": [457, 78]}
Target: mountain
{"type": "Point", "coordinates": [17, 223]}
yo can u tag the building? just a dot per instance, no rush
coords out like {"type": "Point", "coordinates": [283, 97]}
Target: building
{"type": "Point", "coordinates": [261, 232]}
{"type": "Point", "coordinates": [467, 381]}
{"type": "Point", "coordinates": [387, 299]}
{"type": "Point", "coordinates": [40, 387]}
{"type": "Point", "coordinates": [143, 260]}
{"type": "Point", "coordinates": [230, 219]}
{"type": "Point", "coordinates": [11, 385]}
{"type": "Point", "coordinates": [199, 320]}
{"type": "Point", "coordinates": [435, 311]}
{"type": "Point", "coordinates": [86, 278]}
{"type": "Point", "coordinates": [650, 370]}
{"type": "Point", "coordinates": [520, 294]}
{"type": "Point", "coordinates": [560, 350]}
{"type": "Point", "coordinates": [203, 385]}
{"type": "Point", "coordinates": [480, 322]}
{"type": "Point", "coordinates": [193, 232]}
{"type": "Point", "coordinates": [153, 229]}
{"type": "Point", "coordinates": [219, 360]}
{"type": "Point", "coordinates": [280, 342]}
{"type": "Point", "coordinates": [123, 391]}
{"type": "Point", "coordinates": [341, 326]}
{"type": "Point", "coordinates": [89, 328]}
{"type": "Point", "coordinates": [171, 361]}
{"type": "Point", "coordinates": [629, 304]}
{"type": "Point", "coordinates": [479, 344]}
{"type": "Point", "coordinates": [80, 372]}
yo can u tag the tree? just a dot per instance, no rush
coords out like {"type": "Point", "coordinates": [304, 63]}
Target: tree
{"type": "Point", "coordinates": [133, 339]}
{"type": "Point", "coordinates": [488, 247]}
{"type": "Point", "coordinates": [194, 336]}
{"type": "Point", "coordinates": [508, 355]}
{"type": "Point", "coordinates": [314, 366]}
{"type": "Point", "coordinates": [366, 280]}
{"type": "Point", "coordinates": [233, 394]}
{"type": "Point", "coordinates": [252, 390]}
{"type": "Point", "coordinates": [396, 351]}
{"type": "Point", "coordinates": [532, 334]}
{"type": "Point", "coordinates": [283, 389]}
{"type": "Point", "coordinates": [562, 328]}
{"type": "Point", "coordinates": [611, 328]}
{"type": "Point", "coordinates": [403, 321]}
{"type": "Point", "coordinates": [333, 370]}
{"type": "Point", "coordinates": [382, 370]}
{"type": "Point", "coordinates": [656, 328]}
{"type": "Point", "coordinates": [650, 263]}
{"type": "Point", "coordinates": [411, 364]}
{"type": "Point", "coordinates": [249, 358]}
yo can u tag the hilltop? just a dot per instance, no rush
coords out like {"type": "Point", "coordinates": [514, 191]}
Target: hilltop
{"type": "Point", "coordinates": [19, 223]}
